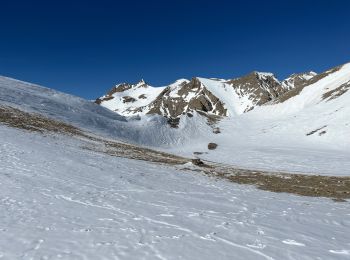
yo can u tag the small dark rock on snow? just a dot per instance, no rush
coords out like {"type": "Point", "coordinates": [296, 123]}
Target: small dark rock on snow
{"type": "Point", "coordinates": [212, 146]}
{"type": "Point", "coordinates": [216, 130]}
{"type": "Point", "coordinates": [197, 162]}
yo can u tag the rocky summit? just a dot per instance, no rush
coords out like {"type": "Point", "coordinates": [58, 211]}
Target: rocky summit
{"type": "Point", "coordinates": [210, 97]}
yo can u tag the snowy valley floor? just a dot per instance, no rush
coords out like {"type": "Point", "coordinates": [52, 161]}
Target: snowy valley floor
{"type": "Point", "coordinates": [65, 198]}
{"type": "Point", "coordinates": [335, 187]}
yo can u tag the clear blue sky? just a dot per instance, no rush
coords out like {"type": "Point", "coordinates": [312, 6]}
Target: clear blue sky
{"type": "Point", "coordinates": [85, 47]}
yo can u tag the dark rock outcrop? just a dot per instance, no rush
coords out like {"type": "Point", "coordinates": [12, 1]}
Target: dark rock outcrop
{"type": "Point", "coordinates": [212, 146]}
{"type": "Point", "coordinates": [185, 99]}
{"type": "Point", "coordinates": [259, 87]}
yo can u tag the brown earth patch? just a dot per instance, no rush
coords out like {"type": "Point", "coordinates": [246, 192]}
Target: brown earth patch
{"type": "Point", "coordinates": [306, 185]}
{"type": "Point", "coordinates": [212, 120]}
{"type": "Point", "coordinates": [142, 153]}
{"type": "Point", "coordinates": [34, 122]}
{"type": "Point", "coordinates": [100, 100]}
{"type": "Point", "coordinates": [333, 94]}
{"type": "Point", "coordinates": [198, 162]}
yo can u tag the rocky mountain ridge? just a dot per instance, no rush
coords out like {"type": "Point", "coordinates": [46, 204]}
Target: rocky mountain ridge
{"type": "Point", "coordinates": [213, 98]}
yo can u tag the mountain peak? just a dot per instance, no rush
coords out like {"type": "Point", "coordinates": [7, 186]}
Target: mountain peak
{"type": "Point", "coordinates": [297, 79]}
{"type": "Point", "coordinates": [209, 97]}
{"type": "Point", "coordinates": [263, 74]}
{"type": "Point", "coordinates": [141, 83]}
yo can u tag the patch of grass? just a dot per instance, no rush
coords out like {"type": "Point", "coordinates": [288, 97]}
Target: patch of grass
{"type": "Point", "coordinates": [334, 187]}
{"type": "Point", "coordinates": [34, 122]}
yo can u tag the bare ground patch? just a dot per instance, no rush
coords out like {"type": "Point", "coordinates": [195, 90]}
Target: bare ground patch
{"type": "Point", "coordinates": [335, 93]}
{"type": "Point", "coordinates": [34, 122]}
{"type": "Point", "coordinates": [335, 187]}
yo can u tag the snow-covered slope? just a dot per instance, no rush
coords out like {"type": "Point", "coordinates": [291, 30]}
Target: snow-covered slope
{"type": "Point", "coordinates": [307, 132]}
{"type": "Point", "coordinates": [290, 125]}
{"type": "Point", "coordinates": [152, 130]}
{"type": "Point", "coordinates": [60, 201]}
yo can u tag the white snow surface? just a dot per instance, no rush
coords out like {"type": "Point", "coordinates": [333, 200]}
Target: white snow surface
{"type": "Point", "coordinates": [59, 201]}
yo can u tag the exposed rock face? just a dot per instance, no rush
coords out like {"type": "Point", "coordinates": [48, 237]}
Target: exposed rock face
{"type": "Point", "coordinates": [212, 98]}
{"type": "Point", "coordinates": [258, 87]}
{"type": "Point", "coordinates": [120, 88]}
{"type": "Point", "coordinates": [187, 97]}
{"type": "Point", "coordinates": [127, 99]}
{"type": "Point", "coordinates": [296, 80]}
{"type": "Point", "coordinates": [102, 99]}
{"type": "Point", "coordinates": [335, 93]}
{"type": "Point", "coordinates": [298, 88]}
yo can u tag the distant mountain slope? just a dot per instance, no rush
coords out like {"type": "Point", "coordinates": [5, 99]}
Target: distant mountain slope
{"type": "Point", "coordinates": [301, 84]}
{"type": "Point", "coordinates": [295, 80]}
{"type": "Point", "coordinates": [213, 98]}
{"type": "Point", "coordinates": [258, 88]}
{"type": "Point", "coordinates": [210, 97]}
{"type": "Point", "coordinates": [308, 128]}
{"type": "Point", "coordinates": [128, 99]}
{"type": "Point", "coordinates": [316, 89]}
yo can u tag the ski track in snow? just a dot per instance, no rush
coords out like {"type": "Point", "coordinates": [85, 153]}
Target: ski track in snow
{"type": "Point", "coordinates": [58, 201]}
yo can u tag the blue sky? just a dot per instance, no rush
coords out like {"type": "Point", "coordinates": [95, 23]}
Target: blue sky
{"type": "Point", "coordinates": [85, 47]}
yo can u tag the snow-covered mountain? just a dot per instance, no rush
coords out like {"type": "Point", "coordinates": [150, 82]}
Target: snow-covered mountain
{"type": "Point", "coordinates": [297, 79]}
{"type": "Point", "coordinates": [128, 99]}
{"type": "Point", "coordinates": [306, 111]}
{"type": "Point", "coordinates": [308, 122]}
{"type": "Point", "coordinates": [210, 97]}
